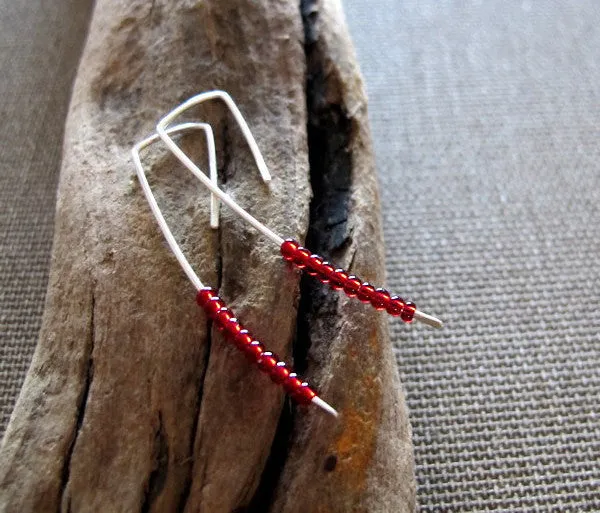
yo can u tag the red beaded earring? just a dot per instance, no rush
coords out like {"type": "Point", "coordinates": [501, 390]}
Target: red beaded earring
{"type": "Point", "coordinates": [214, 307]}
{"type": "Point", "coordinates": [302, 258]}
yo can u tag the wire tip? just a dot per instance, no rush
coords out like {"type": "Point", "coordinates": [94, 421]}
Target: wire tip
{"type": "Point", "coordinates": [430, 320]}
{"type": "Point", "coordinates": [317, 401]}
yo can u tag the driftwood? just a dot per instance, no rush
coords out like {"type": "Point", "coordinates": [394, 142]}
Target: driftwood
{"type": "Point", "coordinates": [133, 402]}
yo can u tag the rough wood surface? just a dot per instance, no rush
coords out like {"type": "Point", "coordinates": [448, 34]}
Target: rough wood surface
{"type": "Point", "coordinates": [132, 402]}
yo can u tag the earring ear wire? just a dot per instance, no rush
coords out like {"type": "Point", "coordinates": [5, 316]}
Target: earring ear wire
{"type": "Point", "coordinates": [162, 223]}
{"type": "Point", "coordinates": [225, 98]}
{"type": "Point", "coordinates": [163, 133]}
{"type": "Point", "coordinates": [302, 258]}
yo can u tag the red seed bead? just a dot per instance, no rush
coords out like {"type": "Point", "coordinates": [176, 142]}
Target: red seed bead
{"type": "Point", "coordinates": [314, 265]}
{"type": "Point", "coordinates": [267, 361]}
{"type": "Point", "coordinates": [288, 249]}
{"type": "Point", "coordinates": [304, 394]}
{"type": "Point", "coordinates": [326, 271]}
{"type": "Point", "coordinates": [204, 295]}
{"type": "Point", "coordinates": [242, 339]}
{"type": "Point", "coordinates": [254, 349]}
{"type": "Point", "coordinates": [233, 327]}
{"type": "Point", "coordinates": [292, 383]}
{"type": "Point", "coordinates": [352, 286]}
{"type": "Point", "coordinates": [301, 257]}
{"type": "Point", "coordinates": [338, 279]}
{"type": "Point", "coordinates": [408, 313]}
{"type": "Point", "coordinates": [381, 299]}
{"type": "Point", "coordinates": [280, 373]}
{"type": "Point", "coordinates": [395, 306]}
{"type": "Point", "coordinates": [366, 292]}
{"type": "Point", "coordinates": [222, 317]}
{"type": "Point", "coordinates": [213, 305]}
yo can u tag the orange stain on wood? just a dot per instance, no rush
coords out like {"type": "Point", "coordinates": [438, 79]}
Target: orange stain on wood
{"type": "Point", "coordinates": [355, 447]}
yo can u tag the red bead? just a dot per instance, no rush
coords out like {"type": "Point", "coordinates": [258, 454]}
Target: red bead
{"type": "Point", "coordinates": [326, 271]}
{"type": "Point", "coordinates": [292, 383]}
{"type": "Point", "coordinates": [408, 313]}
{"type": "Point", "coordinates": [213, 305]}
{"type": "Point", "coordinates": [301, 257]}
{"type": "Point", "coordinates": [366, 292]}
{"type": "Point", "coordinates": [314, 265]}
{"type": "Point", "coordinates": [381, 299]}
{"type": "Point", "coordinates": [338, 279]}
{"type": "Point", "coordinates": [267, 361]}
{"type": "Point", "coordinates": [288, 249]}
{"type": "Point", "coordinates": [254, 350]}
{"type": "Point", "coordinates": [242, 339]}
{"type": "Point", "coordinates": [280, 373]}
{"type": "Point", "coordinates": [233, 327]}
{"type": "Point", "coordinates": [304, 394]}
{"type": "Point", "coordinates": [204, 295]}
{"type": "Point", "coordinates": [352, 286]}
{"type": "Point", "coordinates": [395, 306]}
{"type": "Point", "coordinates": [222, 317]}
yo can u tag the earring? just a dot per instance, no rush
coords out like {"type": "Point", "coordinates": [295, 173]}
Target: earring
{"type": "Point", "coordinates": [302, 258]}
{"type": "Point", "coordinates": [208, 299]}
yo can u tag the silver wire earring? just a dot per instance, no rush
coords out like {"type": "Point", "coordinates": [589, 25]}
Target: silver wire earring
{"type": "Point", "coordinates": [291, 250]}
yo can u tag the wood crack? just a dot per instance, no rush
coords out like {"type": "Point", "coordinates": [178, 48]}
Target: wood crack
{"type": "Point", "coordinates": [64, 504]}
{"type": "Point", "coordinates": [185, 495]}
{"type": "Point", "coordinates": [158, 476]}
{"type": "Point", "coordinates": [263, 497]}
{"type": "Point", "coordinates": [198, 407]}
{"type": "Point", "coordinates": [328, 133]}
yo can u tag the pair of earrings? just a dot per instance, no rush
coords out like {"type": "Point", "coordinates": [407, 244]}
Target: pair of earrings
{"type": "Point", "coordinates": [291, 251]}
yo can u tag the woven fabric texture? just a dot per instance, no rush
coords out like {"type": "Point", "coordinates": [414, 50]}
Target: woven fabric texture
{"type": "Point", "coordinates": [486, 123]}
{"type": "Point", "coordinates": [485, 118]}
{"type": "Point", "coordinates": [40, 43]}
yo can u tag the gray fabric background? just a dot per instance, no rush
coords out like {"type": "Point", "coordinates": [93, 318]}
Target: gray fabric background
{"type": "Point", "coordinates": [40, 44]}
{"type": "Point", "coordinates": [485, 119]}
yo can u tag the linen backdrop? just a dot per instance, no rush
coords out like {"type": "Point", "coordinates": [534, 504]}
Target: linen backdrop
{"type": "Point", "coordinates": [486, 124]}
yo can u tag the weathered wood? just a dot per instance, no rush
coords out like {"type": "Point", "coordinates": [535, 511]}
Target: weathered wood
{"type": "Point", "coordinates": [131, 402]}
{"type": "Point", "coordinates": [370, 449]}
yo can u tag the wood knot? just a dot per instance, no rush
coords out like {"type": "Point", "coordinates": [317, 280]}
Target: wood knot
{"type": "Point", "coordinates": [330, 463]}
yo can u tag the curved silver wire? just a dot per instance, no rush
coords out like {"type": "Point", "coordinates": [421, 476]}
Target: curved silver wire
{"type": "Point", "coordinates": [163, 132]}
{"type": "Point", "coordinates": [162, 223]}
